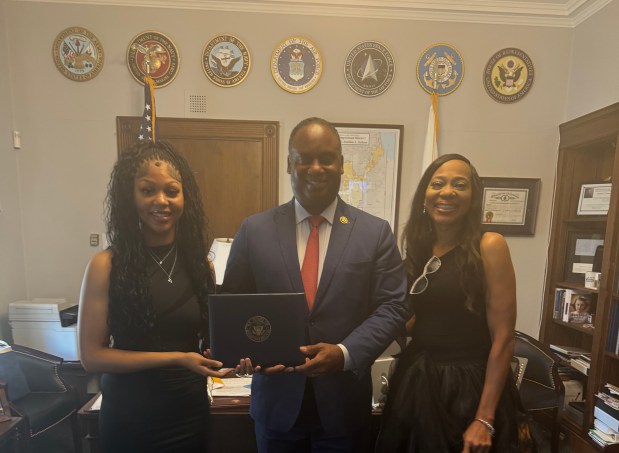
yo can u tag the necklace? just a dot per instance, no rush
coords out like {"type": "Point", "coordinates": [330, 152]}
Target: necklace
{"type": "Point", "coordinates": [156, 257]}
{"type": "Point", "coordinates": [159, 263]}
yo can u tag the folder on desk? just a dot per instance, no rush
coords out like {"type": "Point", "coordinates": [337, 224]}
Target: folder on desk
{"type": "Point", "coordinates": [267, 328]}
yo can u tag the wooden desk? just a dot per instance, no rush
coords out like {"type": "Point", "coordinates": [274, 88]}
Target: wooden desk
{"type": "Point", "coordinates": [13, 437]}
{"type": "Point", "coordinates": [232, 429]}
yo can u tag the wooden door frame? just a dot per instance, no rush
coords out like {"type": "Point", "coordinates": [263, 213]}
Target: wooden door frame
{"type": "Point", "coordinates": [265, 132]}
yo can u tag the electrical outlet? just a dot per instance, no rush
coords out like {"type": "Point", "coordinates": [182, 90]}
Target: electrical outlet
{"type": "Point", "coordinates": [94, 240]}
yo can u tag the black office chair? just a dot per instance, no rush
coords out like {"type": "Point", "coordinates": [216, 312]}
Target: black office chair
{"type": "Point", "coordinates": [50, 400]}
{"type": "Point", "coordinates": [541, 388]}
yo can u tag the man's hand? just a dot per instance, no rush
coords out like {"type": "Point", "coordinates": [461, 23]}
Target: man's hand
{"type": "Point", "coordinates": [245, 368]}
{"type": "Point", "coordinates": [321, 359]}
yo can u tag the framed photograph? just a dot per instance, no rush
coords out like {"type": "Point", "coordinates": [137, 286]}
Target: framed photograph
{"type": "Point", "coordinates": [580, 254]}
{"type": "Point", "coordinates": [371, 179]}
{"type": "Point", "coordinates": [594, 199]}
{"type": "Point", "coordinates": [5, 410]}
{"type": "Point", "coordinates": [509, 205]}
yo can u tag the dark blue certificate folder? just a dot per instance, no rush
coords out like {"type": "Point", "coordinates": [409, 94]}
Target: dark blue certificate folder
{"type": "Point", "coordinates": [267, 328]}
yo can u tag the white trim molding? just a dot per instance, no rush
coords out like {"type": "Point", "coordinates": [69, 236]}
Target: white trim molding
{"type": "Point", "coordinates": [550, 13]}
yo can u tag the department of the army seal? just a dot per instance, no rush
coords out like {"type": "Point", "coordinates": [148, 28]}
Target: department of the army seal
{"type": "Point", "coordinates": [509, 75]}
{"type": "Point", "coordinates": [226, 60]}
{"type": "Point", "coordinates": [369, 69]}
{"type": "Point", "coordinates": [258, 329]}
{"type": "Point", "coordinates": [78, 54]}
{"type": "Point", "coordinates": [155, 54]}
{"type": "Point", "coordinates": [296, 64]}
{"type": "Point", "coordinates": [440, 68]}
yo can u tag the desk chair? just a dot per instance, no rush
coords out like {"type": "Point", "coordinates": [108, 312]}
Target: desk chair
{"type": "Point", "coordinates": [541, 388]}
{"type": "Point", "coordinates": [50, 400]}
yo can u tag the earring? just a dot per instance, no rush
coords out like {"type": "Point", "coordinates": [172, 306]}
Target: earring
{"type": "Point", "coordinates": [424, 208]}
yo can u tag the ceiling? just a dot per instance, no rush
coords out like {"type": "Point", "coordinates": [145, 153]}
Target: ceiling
{"type": "Point", "coordinates": [546, 13]}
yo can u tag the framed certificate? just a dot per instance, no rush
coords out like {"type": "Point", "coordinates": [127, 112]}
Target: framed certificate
{"type": "Point", "coordinates": [594, 199]}
{"type": "Point", "coordinates": [509, 205]}
{"type": "Point", "coordinates": [580, 254]}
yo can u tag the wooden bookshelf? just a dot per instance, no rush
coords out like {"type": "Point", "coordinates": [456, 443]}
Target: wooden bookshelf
{"type": "Point", "coordinates": [588, 153]}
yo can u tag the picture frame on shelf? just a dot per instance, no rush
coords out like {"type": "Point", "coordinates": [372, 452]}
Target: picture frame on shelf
{"type": "Point", "coordinates": [509, 205]}
{"type": "Point", "coordinates": [580, 254]}
{"type": "Point", "coordinates": [594, 199]}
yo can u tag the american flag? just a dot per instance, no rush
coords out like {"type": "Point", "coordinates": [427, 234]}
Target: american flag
{"type": "Point", "coordinates": [147, 128]}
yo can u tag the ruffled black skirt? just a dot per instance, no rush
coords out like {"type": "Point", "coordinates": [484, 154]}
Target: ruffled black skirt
{"type": "Point", "coordinates": [430, 404]}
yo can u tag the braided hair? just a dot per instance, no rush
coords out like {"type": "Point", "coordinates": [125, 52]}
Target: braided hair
{"type": "Point", "coordinates": [131, 313]}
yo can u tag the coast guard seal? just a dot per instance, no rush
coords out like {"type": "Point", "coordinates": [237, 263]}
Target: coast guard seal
{"type": "Point", "coordinates": [440, 65]}
{"type": "Point", "coordinates": [509, 75]}
{"type": "Point", "coordinates": [258, 329]}
{"type": "Point", "coordinates": [369, 69]}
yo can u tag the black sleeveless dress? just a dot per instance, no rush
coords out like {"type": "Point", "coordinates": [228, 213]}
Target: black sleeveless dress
{"type": "Point", "coordinates": [436, 386]}
{"type": "Point", "coordinates": [163, 409]}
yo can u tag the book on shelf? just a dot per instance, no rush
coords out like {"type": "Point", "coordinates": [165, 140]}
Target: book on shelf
{"type": "Point", "coordinates": [557, 311]}
{"type": "Point", "coordinates": [577, 306]}
{"type": "Point", "coordinates": [580, 365]}
{"type": "Point", "coordinates": [613, 328]}
{"type": "Point", "coordinates": [609, 400]}
{"type": "Point", "coordinates": [600, 438]}
{"type": "Point", "coordinates": [607, 431]}
{"type": "Point", "coordinates": [570, 351]}
{"type": "Point", "coordinates": [606, 414]}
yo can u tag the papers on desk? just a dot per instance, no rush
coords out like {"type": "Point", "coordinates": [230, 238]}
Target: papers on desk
{"type": "Point", "coordinates": [233, 387]}
{"type": "Point", "coordinates": [96, 406]}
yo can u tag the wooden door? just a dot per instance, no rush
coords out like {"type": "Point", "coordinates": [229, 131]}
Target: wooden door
{"type": "Point", "coordinates": [235, 163]}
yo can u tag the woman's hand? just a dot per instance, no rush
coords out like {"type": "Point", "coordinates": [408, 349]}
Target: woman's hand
{"type": "Point", "coordinates": [476, 438]}
{"type": "Point", "coordinates": [202, 365]}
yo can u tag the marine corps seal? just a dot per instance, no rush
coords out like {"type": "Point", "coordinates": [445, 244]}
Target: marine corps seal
{"type": "Point", "coordinates": [369, 69]}
{"type": "Point", "coordinates": [296, 64]}
{"type": "Point", "coordinates": [155, 54]}
{"type": "Point", "coordinates": [78, 54]}
{"type": "Point", "coordinates": [226, 60]}
{"type": "Point", "coordinates": [509, 75]}
{"type": "Point", "coordinates": [258, 329]}
{"type": "Point", "coordinates": [440, 68]}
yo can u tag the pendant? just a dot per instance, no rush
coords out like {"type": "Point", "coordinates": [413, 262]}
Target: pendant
{"type": "Point", "coordinates": [169, 280]}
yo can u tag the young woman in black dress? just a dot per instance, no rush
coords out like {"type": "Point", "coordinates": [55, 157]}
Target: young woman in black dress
{"type": "Point", "coordinates": [143, 307]}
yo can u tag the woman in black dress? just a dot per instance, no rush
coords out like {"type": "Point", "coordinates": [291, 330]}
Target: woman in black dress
{"type": "Point", "coordinates": [451, 391]}
{"type": "Point", "coordinates": [143, 307]}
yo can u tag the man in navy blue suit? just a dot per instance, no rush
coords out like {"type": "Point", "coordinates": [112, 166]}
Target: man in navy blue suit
{"type": "Point", "coordinates": [358, 309]}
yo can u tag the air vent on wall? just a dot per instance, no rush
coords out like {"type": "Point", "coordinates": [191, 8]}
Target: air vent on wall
{"type": "Point", "coordinates": [195, 105]}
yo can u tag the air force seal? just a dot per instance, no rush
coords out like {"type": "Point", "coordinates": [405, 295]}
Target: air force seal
{"type": "Point", "coordinates": [508, 76]}
{"type": "Point", "coordinates": [226, 60]}
{"type": "Point", "coordinates": [296, 64]}
{"type": "Point", "coordinates": [440, 68]}
{"type": "Point", "coordinates": [369, 69]}
{"type": "Point", "coordinates": [78, 54]}
{"type": "Point", "coordinates": [258, 329]}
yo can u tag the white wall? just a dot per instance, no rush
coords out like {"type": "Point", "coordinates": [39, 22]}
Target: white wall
{"type": "Point", "coordinates": [12, 275]}
{"type": "Point", "coordinates": [69, 138]}
{"type": "Point", "coordinates": [593, 73]}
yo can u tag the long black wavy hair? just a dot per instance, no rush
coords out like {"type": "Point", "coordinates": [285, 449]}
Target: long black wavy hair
{"type": "Point", "coordinates": [419, 236]}
{"type": "Point", "coordinates": [131, 313]}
